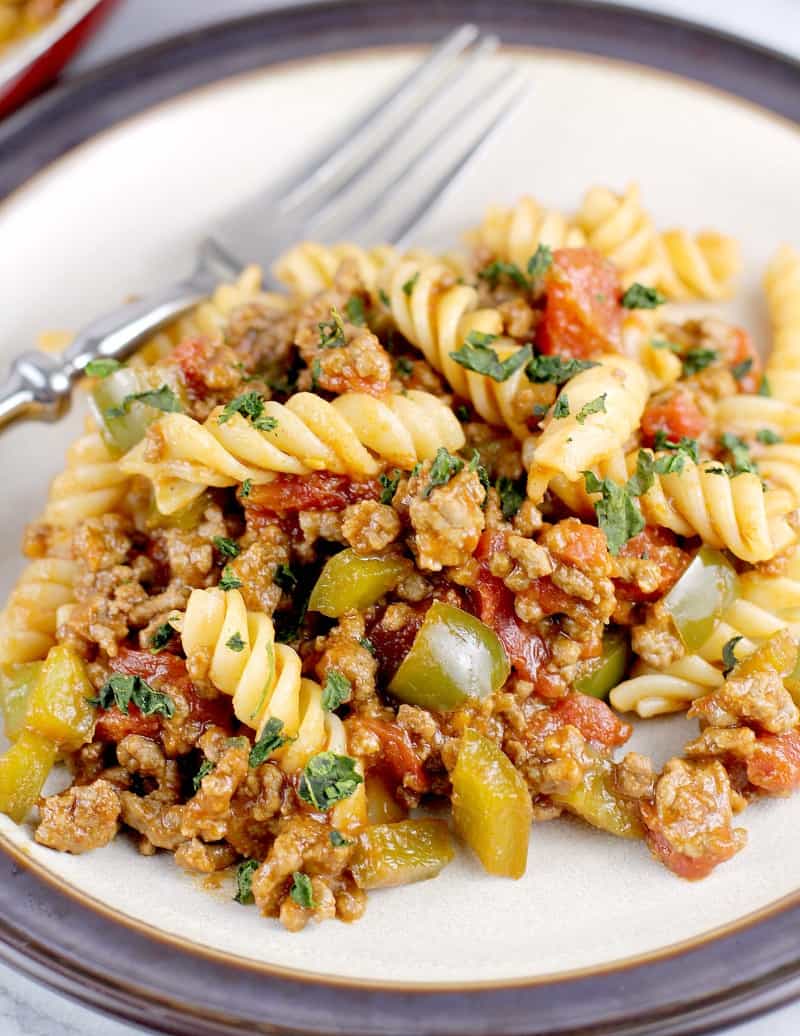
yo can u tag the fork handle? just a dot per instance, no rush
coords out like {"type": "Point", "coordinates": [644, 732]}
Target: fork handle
{"type": "Point", "coordinates": [40, 386]}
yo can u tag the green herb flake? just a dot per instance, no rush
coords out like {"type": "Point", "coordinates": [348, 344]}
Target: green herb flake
{"type": "Point", "coordinates": [367, 644]}
{"type": "Point", "coordinates": [122, 690]}
{"type": "Point", "coordinates": [476, 466]}
{"type": "Point", "coordinates": [408, 287]}
{"type": "Point", "coordinates": [235, 642]}
{"type": "Point", "coordinates": [227, 548]}
{"type": "Point", "coordinates": [476, 354]}
{"type": "Point", "coordinates": [540, 262]}
{"type": "Point", "coordinates": [512, 496]}
{"type": "Point", "coordinates": [316, 372]}
{"type": "Point", "coordinates": [594, 406]}
{"type": "Point", "coordinates": [285, 578]}
{"type": "Point", "coordinates": [228, 580]}
{"type": "Point", "coordinates": [384, 298]}
{"type": "Point", "coordinates": [354, 309]}
{"type": "Point", "coordinates": [338, 840]}
{"type": "Point", "coordinates": [729, 658]}
{"type": "Point", "coordinates": [444, 467]}
{"type": "Point", "coordinates": [251, 406]}
{"type": "Point", "coordinates": [389, 484]}
{"type": "Point", "coordinates": [301, 891]}
{"type": "Point", "coordinates": [696, 360]}
{"type": "Point", "coordinates": [679, 452]}
{"type": "Point", "coordinates": [555, 370]}
{"type": "Point", "coordinates": [101, 367]}
{"type": "Point", "coordinates": [741, 370]}
{"type": "Point", "coordinates": [161, 637]}
{"type": "Point", "coordinates": [270, 741]}
{"type": "Point", "coordinates": [337, 690]}
{"type": "Point", "coordinates": [331, 332]}
{"type": "Point", "coordinates": [462, 413]}
{"type": "Point", "coordinates": [327, 779]}
{"type": "Point", "coordinates": [404, 367]}
{"type": "Point", "coordinates": [768, 437]}
{"type": "Point", "coordinates": [639, 296]}
{"type": "Point", "coordinates": [662, 343]}
{"type": "Point", "coordinates": [244, 881]}
{"type": "Point", "coordinates": [247, 487]}
{"type": "Point", "coordinates": [205, 769]}
{"type": "Point", "coordinates": [764, 388]}
{"type": "Point", "coordinates": [617, 513]}
{"type": "Point", "coordinates": [160, 399]}
{"type": "Point", "coordinates": [496, 271]}
{"type": "Point", "coordinates": [741, 461]}
{"type": "Point", "coordinates": [561, 408]}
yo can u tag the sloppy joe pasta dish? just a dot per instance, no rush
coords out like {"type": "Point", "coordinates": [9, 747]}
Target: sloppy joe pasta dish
{"type": "Point", "coordinates": [422, 531]}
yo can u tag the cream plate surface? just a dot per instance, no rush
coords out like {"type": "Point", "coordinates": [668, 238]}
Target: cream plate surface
{"type": "Point", "coordinates": [120, 216]}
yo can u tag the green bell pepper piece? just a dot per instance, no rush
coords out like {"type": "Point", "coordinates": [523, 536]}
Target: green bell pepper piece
{"type": "Point", "coordinates": [701, 596]}
{"type": "Point", "coordinates": [122, 420]}
{"type": "Point", "coordinates": [349, 582]}
{"type": "Point", "coordinates": [454, 657]}
{"type": "Point", "coordinates": [609, 669]}
{"type": "Point", "coordinates": [16, 684]}
{"type": "Point", "coordinates": [398, 854]}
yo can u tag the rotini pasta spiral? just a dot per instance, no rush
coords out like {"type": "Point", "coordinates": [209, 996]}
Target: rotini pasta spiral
{"type": "Point", "coordinates": [310, 434]}
{"type": "Point", "coordinates": [309, 268]}
{"type": "Point", "coordinates": [782, 287]}
{"type": "Point", "coordinates": [92, 484]}
{"type": "Point", "coordinates": [735, 513]}
{"type": "Point", "coordinates": [779, 466]}
{"type": "Point", "coordinates": [436, 314]}
{"type": "Point", "coordinates": [702, 266]}
{"type": "Point", "coordinates": [513, 234]}
{"type": "Point", "coordinates": [240, 656]}
{"type": "Point", "coordinates": [652, 692]}
{"type": "Point", "coordinates": [28, 623]}
{"type": "Point", "coordinates": [584, 437]}
{"type": "Point", "coordinates": [746, 415]}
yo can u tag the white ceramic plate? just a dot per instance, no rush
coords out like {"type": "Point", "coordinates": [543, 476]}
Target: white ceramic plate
{"type": "Point", "coordinates": [120, 214]}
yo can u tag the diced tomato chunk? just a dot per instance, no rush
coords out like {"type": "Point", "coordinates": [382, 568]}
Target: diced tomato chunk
{"type": "Point", "coordinates": [582, 315]}
{"type": "Point", "coordinates": [774, 766]}
{"type": "Point", "coordinates": [391, 644]}
{"type": "Point", "coordinates": [192, 356]}
{"type": "Point", "coordinates": [320, 490]}
{"type": "Point", "coordinates": [659, 546]}
{"type": "Point", "coordinates": [593, 718]}
{"type": "Point", "coordinates": [113, 725]}
{"type": "Point", "coordinates": [494, 605]}
{"type": "Point", "coordinates": [692, 868]}
{"type": "Point", "coordinates": [398, 752]}
{"type": "Point", "coordinates": [582, 546]}
{"type": "Point", "coordinates": [677, 415]}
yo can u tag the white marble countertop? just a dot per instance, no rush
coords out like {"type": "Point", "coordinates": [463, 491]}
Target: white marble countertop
{"type": "Point", "coordinates": [27, 1009]}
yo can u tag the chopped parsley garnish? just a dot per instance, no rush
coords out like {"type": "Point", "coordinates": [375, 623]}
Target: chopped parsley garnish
{"type": "Point", "coordinates": [301, 891]}
{"type": "Point", "coordinates": [247, 487]}
{"type": "Point", "coordinates": [160, 399]}
{"type": "Point", "coordinates": [161, 637]}
{"type": "Point", "coordinates": [270, 741]}
{"type": "Point", "coordinates": [316, 372]}
{"type": "Point", "coordinates": [337, 839]}
{"type": "Point", "coordinates": [561, 409]}
{"type": "Point", "coordinates": [741, 370]}
{"type": "Point", "coordinates": [476, 466]}
{"type": "Point", "coordinates": [389, 484]}
{"type": "Point", "coordinates": [512, 496]}
{"type": "Point", "coordinates": [729, 658]}
{"type": "Point", "coordinates": [102, 367]}
{"type": "Point", "coordinates": [496, 271]}
{"type": "Point", "coordinates": [227, 548]}
{"type": "Point", "coordinates": [367, 644]}
{"type": "Point", "coordinates": [205, 768]}
{"type": "Point", "coordinates": [685, 448]}
{"type": "Point", "coordinates": [540, 262]}
{"type": "Point", "coordinates": [696, 360]}
{"type": "Point", "coordinates": [662, 343]}
{"type": "Point", "coordinates": [327, 779]}
{"type": "Point", "coordinates": [251, 406]}
{"type": "Point", "coordinates": [639, 296]}
{"type": "Point", "coordinates": [244, 881]}
{"type": "Point", "coordinates": [555, 369]}
{"type": "Point", "coordinates": [122, 690]}
{"type": "Point", "coordinates": [404, 367]}
{"type": "Point", "coordinates": [719, 470]}
{"type": "Point", "coordinates": [617, 513]}
{"type": "Point", "coordinates": [476, 354]}
{"type": "Point", "coordinates": [444, 467]}
{"type": "Point", "coordinates": [285, 578]}
{"type": "Point", "coordinates": [764, 388]}
{"type": "Point", "coordinates": [594, 406]}
{"type": "Point", "coordinates": [337, 690]}
{"type": "Point", "coordinates": [768, 437]}
{"type": "Point", "coordinates": [229, 581]}
{"type": "Point", "coordinates": [354, 308]}
{"type": "Point", "coordinates": [462, 412]}
{"type": "Point", "coordinates": [741, 460]}
{"type": "Point", "coordinates": [331, 332]}
{"type": "Point", "coordinates": [235, 642]}
{"type": "Point", "coordinates": [384, 298]}
{"type": "Point", "coordinates": [408, 287]}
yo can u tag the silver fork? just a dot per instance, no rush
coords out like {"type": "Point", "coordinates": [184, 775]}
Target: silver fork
{"type": "Point", "coordinates": [336, 191]}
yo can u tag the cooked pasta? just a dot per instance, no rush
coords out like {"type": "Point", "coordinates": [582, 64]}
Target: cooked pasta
{"type": "Point", "coordinates": [782, 288]}
{"type": "Point", "coordinates": [420, 529]}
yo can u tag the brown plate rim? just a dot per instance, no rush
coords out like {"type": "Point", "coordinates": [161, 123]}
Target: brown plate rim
{"type": "Point", "coordinates": [77, 946]}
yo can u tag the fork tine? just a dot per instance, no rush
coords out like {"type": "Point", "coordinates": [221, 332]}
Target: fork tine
{"type": "Point", "coordinates": [411, 149]}
{"type": "Point", "coordinates": [404, 223]}
{"type": "Point", "coordinates": [346, 146]}
{"type": "Point", "coordinates": [369, 192]}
